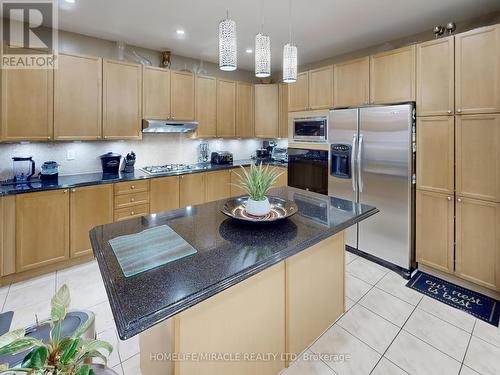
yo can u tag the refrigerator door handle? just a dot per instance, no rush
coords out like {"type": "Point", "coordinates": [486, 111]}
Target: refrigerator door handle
{"type": "Point", "coordinates": [360, 163]}
{"type": "Point", "coordinates": [353, 162]}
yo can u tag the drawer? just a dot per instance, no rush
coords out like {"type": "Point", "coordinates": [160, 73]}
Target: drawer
{"type": "Point", "coordinates": [132, 199]}
{"type": "Point", "coordinates": [130, 212]}
{"type": "Point", "coordinates": [131, 187]}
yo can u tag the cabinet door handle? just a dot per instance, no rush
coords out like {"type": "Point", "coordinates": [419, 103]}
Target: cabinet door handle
{"type": "Point", "coordinates": [132, 187]}
{"type": "Point", "coordinates": [73, 190]}
{"type": "Point", "coordinates": [132, 199]}
{"type": "Point", "coordinates": [459, 200]}
{"type": "Point", "coordinates": [450, 111]}
{"type": "Point", "coordinates": [449, 198]}
{"type": "Point", "coordinates": [65, 191]}
{"type": "Point", "coordinates": [459, 110]}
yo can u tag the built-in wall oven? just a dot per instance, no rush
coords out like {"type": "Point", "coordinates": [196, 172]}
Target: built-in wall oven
{"type": "Point", "coordinates": [308, 169]}
{"type": "Point", "coordinates": [310, 129]}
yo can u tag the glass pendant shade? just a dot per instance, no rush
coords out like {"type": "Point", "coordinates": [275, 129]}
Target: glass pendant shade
{"type": "Point", "coordinates": [227, 45]}
{"type": "Point", "coordinates": [262, 55]}
{"type": "Point", "coordinates": [289, 63]}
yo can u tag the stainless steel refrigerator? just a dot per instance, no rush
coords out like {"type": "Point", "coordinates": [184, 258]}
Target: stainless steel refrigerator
{"type": "Point", "coordinates": [372, 161]}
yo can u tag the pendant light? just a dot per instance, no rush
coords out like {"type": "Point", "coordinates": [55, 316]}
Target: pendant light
{"type": "Point", "coordinates": [227, 44]}
{"type": "Point", "coordinates": [262, 50]}
{"type": "Point", "coordinates": [289, 53]}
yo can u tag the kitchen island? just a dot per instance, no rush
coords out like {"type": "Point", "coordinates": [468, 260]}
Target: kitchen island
{"type": "Point", "coordinates": [248, 298]}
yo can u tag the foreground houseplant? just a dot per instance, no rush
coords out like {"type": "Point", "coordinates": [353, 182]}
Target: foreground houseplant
{"type": "Point", "coordinates": [61, 355]}
{"type": "Point", "coordinates": [256, 182]}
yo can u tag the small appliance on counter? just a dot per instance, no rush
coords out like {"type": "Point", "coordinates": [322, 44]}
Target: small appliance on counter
{"type": "Point", "coordinates": [280, 154]}
{"type": "Point", "coordinates": [221, 157]}
{"type": "Point", "coordinates": [49, 171]}
{"type": "Point", "coordinates": [128, 165]}
{"type": "Point", "coordinates": [23, 168]}
{"type": "Point", "coordinates": [110, 163]}
{"type": "Point", "coordinates": [203, 152]}
{"type": "Point", "coordinates": [262, 153]}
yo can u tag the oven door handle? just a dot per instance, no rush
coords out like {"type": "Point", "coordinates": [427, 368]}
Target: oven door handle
{"type": "Point", "coordinates": [353, 161]}
{"type": "Point", "coordinates": [360, 163]}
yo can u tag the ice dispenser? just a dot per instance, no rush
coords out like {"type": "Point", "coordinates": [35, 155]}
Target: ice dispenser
{"type": "Point", "coordinates": [341, 161]}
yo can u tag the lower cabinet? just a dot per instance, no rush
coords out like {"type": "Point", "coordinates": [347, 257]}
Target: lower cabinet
{"type": "Point", "coordinates": [164, 194]}
{"type": "Point", "coordinates": [42, 229]}
{"type": "Point", "coordinates": [89, 206]}
{"type": "Point", "coordinates": [283, 177]}
{"type": "Point", "coordinates": [236, 175]}
{"type": "Point", "coordinates": [218, 185]}
{"type": "Point", "coordinates": [192, 189]}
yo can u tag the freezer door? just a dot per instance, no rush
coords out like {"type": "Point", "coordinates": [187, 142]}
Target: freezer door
{"type": "Point", "coordinates": [385, 170]}
{"type": "Point", "coordinates": [343, 130]}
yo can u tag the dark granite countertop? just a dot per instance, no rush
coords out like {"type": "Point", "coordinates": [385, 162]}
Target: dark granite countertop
{"type": "Point", "coordinates": [228, 252]}
{"type": "Point", "coordinates": [85, 179]}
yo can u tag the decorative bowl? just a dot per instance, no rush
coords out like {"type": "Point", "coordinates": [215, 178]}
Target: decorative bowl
{"type": "Point", "coordinates": [280, 209]}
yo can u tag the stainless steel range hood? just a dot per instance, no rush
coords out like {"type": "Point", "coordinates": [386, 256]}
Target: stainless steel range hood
{"type": "Point", "coordinates": [168, 126]}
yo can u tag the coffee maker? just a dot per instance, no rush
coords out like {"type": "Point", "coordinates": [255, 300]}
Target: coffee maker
{"type": "Point", "coordinates": [23, 168]}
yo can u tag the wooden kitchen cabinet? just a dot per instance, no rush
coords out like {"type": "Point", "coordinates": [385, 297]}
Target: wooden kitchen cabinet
{"type": "Point", "coordinates": [218, 185]}
{"type": "Point", "coordinates": [226, 108]}
{"type": "Point", "coordinates": [90, 206]}
{"type": "Point", "coordinates": [122, 100]}
{"type": "Point", "coordinates": [283, 178]}
{"type": "Point", "coordinates": [478, 242]}
{"type": "Point", "coordinates": [477, 75]}
{"type": "Point", "coordinates": [298, 93]}
{"type": "Point", "coordinates": [478, 156]}
{"type": "Point", "coordinates": [206, 106]}
{"type": "Point", "coordinates": [267, 111]}
{"type": "Point", "coordinates": [321, 88]}
{"type": "Point", "coordinates": [42, 228]}
{"type": "Point", "coordinates": [164, 194]}
{"type": "Point", "coordinates": [244, 110]}
{"type": "Point", "coordinates": [436, 154]}
{"type": "Point", "coordinates": [78, 98]}
{"type": "Point", "coordinates": [235, 190]}
{"type": "Point", "coordinates": [155, 93]}
{"type": "Point", "coordinates": [351, 83]}
{"type": "Point", "coordinates": [392, 76]}
{"type": "Point", "coordinates": [192, 189]}
{"type": "Point", "coordinates": [27, 104]}
{"type": "Point", "coordinates": [182, 95]}
{"type": "Point", "coordinates": [436, 77]}
{"type": "Point", "coordinates": [434, 228]}
{"type": "Point", "coordinates": [283, 110]}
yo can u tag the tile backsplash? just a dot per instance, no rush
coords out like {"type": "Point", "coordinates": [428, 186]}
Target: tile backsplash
{"type": "Point", "coordinates": [153, 149]}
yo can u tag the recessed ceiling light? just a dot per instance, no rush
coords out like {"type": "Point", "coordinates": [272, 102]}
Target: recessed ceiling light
{"type": "Point", "coordinates": [179, 32]}
{"type": "Point", "coordinates": [249, 50]}
{"type": "Point", "coordinates": [70, 1]}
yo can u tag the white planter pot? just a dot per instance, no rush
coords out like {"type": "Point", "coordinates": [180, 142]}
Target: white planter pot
{"type": "Point", "coordinates": [258, 208]}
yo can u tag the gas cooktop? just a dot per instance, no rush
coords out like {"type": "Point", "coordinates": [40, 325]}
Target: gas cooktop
{"type": "Point", "coordinates": [171, 168]}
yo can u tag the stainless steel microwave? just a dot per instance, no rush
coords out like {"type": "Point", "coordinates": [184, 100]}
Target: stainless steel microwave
{"type": "Point", "coordinates": [310, 129]}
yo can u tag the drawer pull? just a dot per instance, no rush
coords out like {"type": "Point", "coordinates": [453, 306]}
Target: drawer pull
{"type": "Point", "coordinates": [132, 199]}
{"type": "Point", "coordinates": [132, 187]}
{"type": "Point", "coordinates": [132, 213]}
{"type": "Point", "coordinates": [459, 200]}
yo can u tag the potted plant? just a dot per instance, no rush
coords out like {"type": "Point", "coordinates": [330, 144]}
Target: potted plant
{"type": "Point", "coordinates": [61, 355]}
{"type": "Point", "coordinates": [256, 182]}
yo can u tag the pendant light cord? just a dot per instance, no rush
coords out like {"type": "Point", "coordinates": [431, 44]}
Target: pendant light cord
{"type": "Point", "coordinates": [290, 21]}
{"type": "Point", "coordinates": [262, 16]}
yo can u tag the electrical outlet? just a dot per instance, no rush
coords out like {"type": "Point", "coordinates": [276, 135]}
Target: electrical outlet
{"type": "Point", "coordinates": [70, 155]}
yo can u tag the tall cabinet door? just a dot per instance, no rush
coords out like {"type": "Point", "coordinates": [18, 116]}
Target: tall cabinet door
{"type": "Point", "coordinates": [27, 104]}
{"type": "Point", "coordinates": [298, 93]}
{"type": "Point", "coordinates": [78, 98]}
{"type": "Point", "coordinates": [435, 230]}
{"type": "Point", "coordinates": [182, 95]}
{"type": "Point", "coordinates": [244, 110]}
{"type": "Point", "coordinates": [226, 108]}
{"type": "Point", "coordinates": [321, 88]}
{"type": "Point", "coordinates": [478, 242]}
{"type": "Point", "coordinates": [351, 83]}
{"type": "Point", "coordinates": [42, 229]}
{"type": "Point", "coordinates": [90, 206]}
{"type": "Point", "coordinates": [478, 70]}
{"type": "Point", "coordinates": [478, 156]}
{"type": "Point", "coordinates": [206, 106]}
{"type": "Point", "coordinates": [155, 93]}
{"type": "Point", "coordinates": [122, 100]}
{"type": "Point", "coordinates": [436, 77]}
{"type": "Point", "coordinates": [266, 111]}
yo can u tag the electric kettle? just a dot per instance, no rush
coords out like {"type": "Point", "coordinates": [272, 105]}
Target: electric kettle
{"type": "Point", "coordinates": [23, 167]}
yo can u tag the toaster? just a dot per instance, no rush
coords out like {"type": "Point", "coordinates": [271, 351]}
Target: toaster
{"type": "Point", "coordinates": [221, 157]}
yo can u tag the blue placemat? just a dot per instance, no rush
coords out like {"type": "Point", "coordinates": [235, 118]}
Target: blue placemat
{"type": "Point", "coordinates": [149, 249]}
{"type": "Point", "coordinates": [476, 304]}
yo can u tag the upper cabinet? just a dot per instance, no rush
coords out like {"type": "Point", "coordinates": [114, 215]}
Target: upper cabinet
{"type": "Point", "coordinates": [435, 77]}
{"type": "Point", "coordinates": [321, 88]}
{"type": "Point", "coordinates": [298, 93]}
{"type": "Point", "coordinates": [182, 95]}
{"type": "Point", "coordinates": [351, 83]}
{"type": "Point", "coordinates": [27, 104]}
{"type": "Point", "coordinates": [392, 76]}
{"type": "Point", "coordinates": [206, 106]}
{"type": "Point", "coordinates": [244, 110]}
{"type": "Point", "coordinates": [226, 108]}
{"type": "Point", "coordinates": [78, 98]}
{"type": "Point", "coordinates": [122, 100]}
{"type": "Point", "coordinates": [267, 111]}
{"type": "Point", "coordinates": [156, 93]}
{"type": "Point", "coordinates": [283, 110]}
{"type": "Point", "coordinates": [477, 76]}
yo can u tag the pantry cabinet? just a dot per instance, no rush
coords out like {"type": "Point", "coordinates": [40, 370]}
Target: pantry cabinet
{"type": "Point", "coordinates": [226, 108]}
{"type": "Point", "coordinates": [434, 238]}
{"type": "Point", "coordinates": [351, 83]}
{"type": "Point", "coordinates": [78, 98]}
{"type": "Point", "coordinates": [218, 185]}
{"type": "Point", "coordinates": [182, 95]}
{"type": "Point", "coordinates": [164, 194]}
{"type": "Point", "coordinates": [477, 78]}
{"type": "Point", "coordinates": [192, 189]}
{"type": "Point", "coordinates": [298, 93]}
{"type": "Point", "coordinates": [90, 206]}
{"type": "Point", "coordinates": [244, 110]}
{"type": "Point", "coordinates": [122, 100]}
{"type": "Point", "coordinates": [478, 242]}
{"type": "Point", "coordinates": [436, 77]}
{"type": "Point", "coordinates": [392, 76]}
{"type": "Point", "coordinates": [283, 110]}
{"type": "Point", "coordinates": [206, 106]}
{"type": "Point", "coordinates": [155, 93]}
{"type": "Point", "coordinates": [321, 88]}
{"type": "Point", "coordinates": [267, 111]}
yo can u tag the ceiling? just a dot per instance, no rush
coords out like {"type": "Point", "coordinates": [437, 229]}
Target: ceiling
{"type": "Point", "coordinates": [321, 28]}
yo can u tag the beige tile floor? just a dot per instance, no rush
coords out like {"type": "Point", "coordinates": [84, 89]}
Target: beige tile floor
{"type": "Point", "coordinates": [387, 329]}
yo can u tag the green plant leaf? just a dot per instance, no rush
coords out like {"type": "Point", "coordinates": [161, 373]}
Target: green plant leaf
{"type": "Point", "coordinates": [36, 358]}
{"type": "Point", "coordinates": [69, 351]}
{"type": "Point", "coordinates": [83, 328]}
{"type": "Point", "coordinates": [85, 370]}
{"type": "Point", "coordinates": [19, 345]}
{"type": "Point", "coordinates": [257, 180]}
{"type": "Point", "coordinates": [94, 354]}
{"type": "Point", "coordinates": [12, 336]}
{"type": "Point", "coordinates": [91, 345]}
{"type": "Point", "coordinates": [59, 304]}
